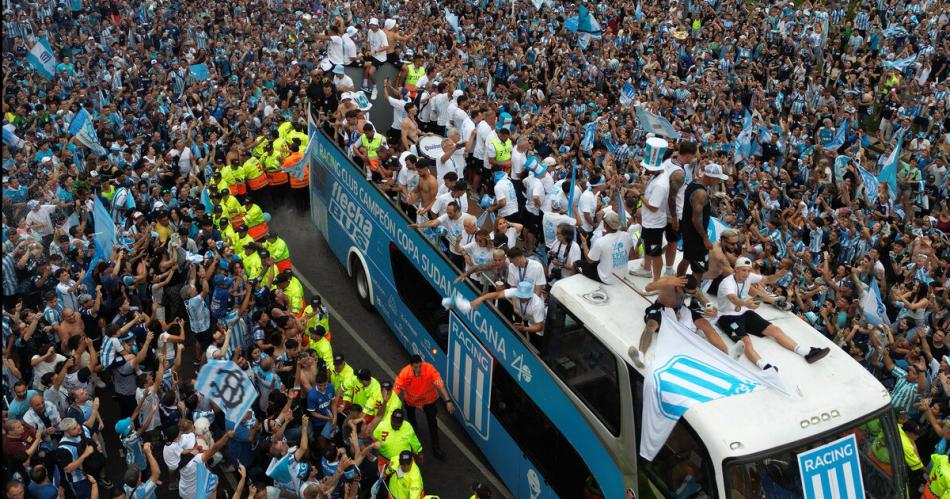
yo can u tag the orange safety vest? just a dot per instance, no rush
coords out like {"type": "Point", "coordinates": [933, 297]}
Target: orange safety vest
{"type": "Point", "coordinates": [421, 390]}
{"type": "Point", "coordinates": [239, 189]}
{"type": "Point", "coordinates": [258, 231]}
{"type": "Point", "coordinates": [258, 182]}
{"type": "Point", "coordinates": [277, 178]}
{"type": "Point", "coordinates": [296, 183]}
{"type": "Point", "coordinates": [283, 265]}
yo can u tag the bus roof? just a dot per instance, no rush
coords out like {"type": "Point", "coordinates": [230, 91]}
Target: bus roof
{"type": "Point", "coordinates": [825, 395]}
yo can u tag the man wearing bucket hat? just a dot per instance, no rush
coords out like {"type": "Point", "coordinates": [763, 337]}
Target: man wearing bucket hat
{"type": "Point", "coordinates": [529, 309]}
{"type": "Point", "coordinates": [738, 318]}
{"type": "Point", "coordinates": [696, 213]}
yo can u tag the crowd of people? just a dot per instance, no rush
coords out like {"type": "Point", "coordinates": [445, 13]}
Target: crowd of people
{"type": "Point", "coordinates": [544, 170]}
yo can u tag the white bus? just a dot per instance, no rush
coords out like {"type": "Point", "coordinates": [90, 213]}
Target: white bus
{"type": "Point", "coordinates": [741, 446]}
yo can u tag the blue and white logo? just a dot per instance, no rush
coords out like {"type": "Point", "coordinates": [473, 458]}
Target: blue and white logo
{"type": "Point", "coordinates": [832, 471]}
{"type": "Point", "coordinates": [469, 376]}
{"type": "Point", "coordinates": [684, 382]}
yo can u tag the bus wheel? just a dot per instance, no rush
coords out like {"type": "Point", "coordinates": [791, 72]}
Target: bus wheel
{"type": "Point", "coordinates": [362, 284]}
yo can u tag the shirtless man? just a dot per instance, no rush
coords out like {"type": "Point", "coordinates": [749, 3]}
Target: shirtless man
{"type": "Point", "coordinates": [392, 51]}
{"type": "Point", "coordinates": [410, 129]}
{"type": "Point", "coordinates": [71, 325]}
{"type": "Point", "coordinates": [426, 190]}
{"type": "Point", "coordinates": [722, 258]}
{"type": "Point", "coordinates": [673, 292]}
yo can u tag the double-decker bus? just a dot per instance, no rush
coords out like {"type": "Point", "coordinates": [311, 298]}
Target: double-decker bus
{"type": "Point", "coordinates": [563, 421]}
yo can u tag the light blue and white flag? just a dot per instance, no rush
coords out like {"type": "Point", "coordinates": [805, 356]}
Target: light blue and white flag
{"type": "Point", "coordinates": [11, 139]}
{"type": "Point", "coordinates": [841, 163]}
{"type": "Point", "coordinates": [206, 200]}
{"type": "Point", "coordinates": [587, 141]}
{"type": "Point", "coordinates": [841, 134]}
{"type": "Point", "coordinates": [743, 146]}
{"type": "Point", "coordinates": [200, 72]}
{"type": "Point", "coordinates": [714, 228]}
{"type": "Point", "coordinates": [900, 64]}
{"type": "Point", "coordinates": [452, 19]}
{"type": "Point", "coordinates": [889, 166]}
{"type": "Point", "coordinates": [105, 237]}
{"type": "Point", "coordinates": [688, 371]}
{"type": "Point", "coordinates": [585, 25]}
{"type": "Point", "coordinates": [570, 194]}
{"type": "Point", "coordinates": [81, 127]}
{"type": "Point", "coordinates": [870, 184]}
{"type": "Point", "coordinates": [228, 387]}
{"type": "Point", "coordinates": [873, 306]}
{"type": "Point", "coordinates": [627, 94]}
{"type": "Point", "coordinates": [42, 59]}
{"type": "Point", "coordinates": [894, 31]}
{"type": "Point", "coordinates": [656, 124]}
{"type": "Point", "coordinates": [205, 481]}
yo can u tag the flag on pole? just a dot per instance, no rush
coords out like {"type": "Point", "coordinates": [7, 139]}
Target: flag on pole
{"type": "Point", "coordinates": [841, 162]}
{"type": "Point", "coordinates": [900, 64]}
{"type": "Point", "coordinates": [743, 146]}
{"type": "Point", "coordinates": [585, 25]}
{"type": "Point", "coordinates": [656, 124]}
{"type": "Point", "coordinates": [688, 371]}
{"type": "Point", "coordinates": [873, 306]}
{"type": "Point", "coordinates": [888, 171]}
{"type": "Point", "coordinates": [570, 195]}
{"type": "Point", "coordinates": [627, 93]}
{"type": "Point", "coordinates": [42, 59]}
{"type": "Point", "coordinates": [227, 386]}
{"type": "Point", "coordinates": [81, 128]}
{"type": "Point", "coordinates": [840, 136]}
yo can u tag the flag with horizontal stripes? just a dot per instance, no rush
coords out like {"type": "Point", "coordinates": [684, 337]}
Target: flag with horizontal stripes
{"type": "Point", "coordinates": [656, 124]}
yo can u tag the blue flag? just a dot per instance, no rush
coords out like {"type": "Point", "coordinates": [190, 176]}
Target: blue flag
{"type": "Point", "coordinates": [585, 25]}
{"type": "Point", "coordinates": [743, 146]}
{"type": "Point", "coordinates": [570, 196]}
{"type": "Point", "coordinates": [105, 237]}
{"type": "Point", "coordinates": [900, 64]}
{"type": "Point", "coordinates": [227, 386]}
{"type": "Point", "coordinates": [873, 306]}
{"type": "Point", "coordinates": [199, 72]}
{"type": "Point", "coordinates": [870, 184]}
{"type": "Point", "coordinates": [841, 135]}
{"type": "Point", "coordinates": [42, 59]}
{"type": "Point", "coordinates": [656, 124]}
{"type": "Point", "coordinates": [714, 228]}
{"type": "Point", "coordinates": [205, 481]}
{"type": "Point", "coordinates": [587, 142]}
{"type": "Point", "coordinates": [81, 128]}
{"type": "Point", "coordinates": [299, 169]}
{"type": "Point", "coordinates": [206, 201]}
{"type": "Point", "coordinates": [452, 19]}
{"type": "Point", "coordinates": [888, 171]}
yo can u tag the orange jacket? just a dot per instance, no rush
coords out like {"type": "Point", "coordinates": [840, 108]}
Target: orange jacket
{"type": "Point", "coordinates": [421, 390]}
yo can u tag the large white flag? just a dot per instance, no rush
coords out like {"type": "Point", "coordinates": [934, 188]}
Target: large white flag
{"type": "Point", "coordinates": [688, 371]}
{"type": "Point", "coordinates": [227, 386]}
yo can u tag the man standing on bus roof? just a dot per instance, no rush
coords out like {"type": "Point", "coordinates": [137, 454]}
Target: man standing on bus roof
{"type": "Point", "coordinates": [521, 269]}
{"type": "Point", "coordinates": [738, 319]}
{"type": "Point", "coordinates": [696, 213]}
{"type": "Point", "coordinates": [419, 384]}
{"type": "Point", "coordinates": [673, 291]}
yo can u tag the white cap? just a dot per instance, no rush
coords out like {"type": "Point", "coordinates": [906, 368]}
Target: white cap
{"type": "Point", "coordinates": [714, 171]}
{"type": "Point", "coordinates": [389, 23]}
{"type": "Point", "coordinates": [743, 262]}
{"type": "Point", "coordinates": [352, 31]}
{"type": "Point", "coordinates": [457, 93]}
{"type": "Point", "coordinates": [374, 22]}
{"type": "Point", "coordinates": [346, 95]}
{"type": "Point", "coordinates": [549, 161]}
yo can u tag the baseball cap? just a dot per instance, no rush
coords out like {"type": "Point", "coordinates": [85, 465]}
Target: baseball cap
{"type": "Point", "coordinates": [374, 22]}
{"type": "Point", "coordinates": [405, 457]}
{"type": "Point", "coordinates": [715, 171]}
{"type": "Point", "coordinates": [338, 358]}
{"type": "Point", "coordinates": [743, 262]}
{"type": "Point", "coordinates": [364, 374]}
{"type": "Point", "coordinates": [123, 426]}
{"type": "Point", "coordinates": [398, 414]}
{"type": "Point", "coordinates": [612, 220]}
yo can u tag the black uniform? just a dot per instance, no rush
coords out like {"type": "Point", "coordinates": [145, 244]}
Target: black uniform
{"type": "Point", "coordinates": [694, 250]}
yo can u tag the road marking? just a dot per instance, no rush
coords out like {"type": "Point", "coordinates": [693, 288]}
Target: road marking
{"type": "Point", "coordinates": [392, 374]}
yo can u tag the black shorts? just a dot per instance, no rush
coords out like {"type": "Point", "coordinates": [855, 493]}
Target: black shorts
{"type": "Point", "coordinates": [672, 236]}
{"type": "Point", "coordinates": [696, 254]}
{"type": "Point", "coordinates": [737, 326]}
{"type": "Point", "coordinates": [654, 313]}
{"type": "Point", "coordinates": [652, 241]}
{"type": "Point", "coordinates": [515, 218]}
{"type": "Point", "coordinates": [532, 222]}
{"type": "Point", "coordinates": [393, 58]}
{"type": "Point", "coordinates": [376, 62]}
{"type": "Point", "coordinates": [355, 63]}
{"type": "Point", "coordinates": [696, 310]}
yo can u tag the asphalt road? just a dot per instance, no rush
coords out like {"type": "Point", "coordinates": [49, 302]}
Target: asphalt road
{"type": "Point", "coordinates": [366, 341]}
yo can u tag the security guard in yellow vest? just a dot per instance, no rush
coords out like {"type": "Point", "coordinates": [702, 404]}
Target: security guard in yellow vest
{"type": "Point", "coordinates": [287, 283]}
{"type": "Point", "coordinates": [502, 151]}
{"type": "Point", "coordinates": [320, 344]}
{"type": "Point", "coordinates": [284, 128]}
{"type": "Point", "coordinates": [231, 207]}
{"type": "Point", "coordinates": [260, 146]}
{"type": "Point", "coordinates": [368, 149]}
{"type": "Point", "coordinates": [341, 375]}
{"type": "Point", "coordinates": [254, 173]}
{"type": "Point", "coordinates": [237, 182]}
{"type": "Point", "coordinates": [251, 260]}
{"type": "Point", "coordinates": [411, 73]}
{"type": "Point", "coordinates": [241, 239]}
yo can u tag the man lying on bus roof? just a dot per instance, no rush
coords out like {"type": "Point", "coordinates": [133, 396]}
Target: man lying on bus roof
{"type": "Point", "coordinates": [738, 319]}
{"type": "Point", "coordinates": [673, 291]}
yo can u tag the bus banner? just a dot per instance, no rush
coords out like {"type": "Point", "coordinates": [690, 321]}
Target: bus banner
{"type": "Point", "coordinates": [832, 471]}
{"type": "Point", "coordinates": [469, 376]}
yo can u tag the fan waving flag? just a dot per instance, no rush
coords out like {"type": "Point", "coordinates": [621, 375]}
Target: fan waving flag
{"type": "Point", "coordinates": [841, 135]}
{"type": "Point", "coordinates": [205, 481]}
{"type": "Point", "coordinates": [873, 306]}
{"type": "Point", "coordinates": [714, 228]}
{"type": "Point", "coordinates": [870, 184]}
{"type": "Point", "coordinates": [656, 124]}
{"type": "Point", "coordinates": [627, 93]}
{"type": "Point", "coordinates": [42, 59]}
{"type": "Point", "coordinates": [743, 146]}
{"type": "Point", "coordinates": [688, 371]}
{"type": "Point", "coordinates": [585, 25]}
{"type": "Point", "coordinates": [81, 128]}
{"type": "Point", "coordinates": [227, 386]}
{"type": "Point", "coordinates": [888, 171]}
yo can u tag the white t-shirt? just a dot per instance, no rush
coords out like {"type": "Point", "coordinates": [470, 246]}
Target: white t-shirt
{"type": "Point", "coordinates": [378, 43]}
{"type": "Point", "coordinates": [443, 167]}
{"type": "Point", "coordinates": [442, 201]}
{"type": "Point", "coordinates": [483, 133]}
{"type": "Point", "coordinates": [336, 52]}
{"type": "Point", "coordinates": [566, 253]}
{"type": "Point", "coordinates": [447, 114]}
{"type": "Point", "coordinates": [533, 309]}
{"type": "Point", "coordinates": [532, 272]}
{"type": "Point", "coordinates": [407, 179]}
{"type": "Point", "coordinates": [466, 129]}
{"type": "Point", "coordinates": [613, 252]}
{"type": "Point", "coordinates": [171, 453]}
{"type": "Point", "coordinates": [187, 478]}
{"type": "Point", "coordinates": [656, 194]}
{"type": "Point", "coordinates": [41, 216]}
{"type": "Point", "coordinates": [439, 105]}
{"type": "Point", "coordinates": [549, 224]}
{"type": "Point", "coordinates": [729, 286]}
{"type": "Point", "coordinates": [480, 255]}
{"type": "Point", "coordinates": [399, 112]}
{"type": "Point", "coordinates": [587, 204]}
{"type": "Point", "coordinates": [518, 159]}
{"type": "Point", "coordinates": [454, 228]}
{"type": "Point", "coordinates": [44, 367]}
{"type": "Point", "coordinates": [214, 349]}
{"type": "Point", "coordinates": [506, 190]}
{"type": "Point", "coordinates": [349, 49]}
{"type": "Point", "coordinates": [342, 81]}
{"type": "Point", "coordinates": [533, 188]}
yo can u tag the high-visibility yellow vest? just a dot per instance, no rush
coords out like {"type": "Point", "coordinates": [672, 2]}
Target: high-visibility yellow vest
{"type": "Point", "coordinates": [413, 74]}
{"type": "Point", "coordinates": [502, 149]}
{"type": "Point", "coordinates": [372, 146]}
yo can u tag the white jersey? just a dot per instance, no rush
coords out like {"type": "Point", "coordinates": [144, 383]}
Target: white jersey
{"type": "Point", "coordinates": [656, 195]}
{"type": "Point", "coordinates": [729, 286]}
{"type": "Point", "coordinates": [504, 189]}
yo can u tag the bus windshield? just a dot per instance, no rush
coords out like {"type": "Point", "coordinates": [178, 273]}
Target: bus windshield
{"type": "Point", "coordinates": [775, 474]}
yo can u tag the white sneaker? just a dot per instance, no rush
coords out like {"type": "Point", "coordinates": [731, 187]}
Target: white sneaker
{"type": "Point", "coordinates": [669, 271]}
{"type": "Point", "coordinates": [740, 349]}
{"type": "Point", "coordinates": [641, 272]}
{"type": "Point", "coordinates": [635, 357]}
{"type": "Point", "coordinates": [375, 92]}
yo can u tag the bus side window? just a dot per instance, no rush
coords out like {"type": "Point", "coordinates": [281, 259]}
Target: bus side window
{"type": "Point", "coordinates": [682, 469]}
{"type": "Point", "coordinates": [420, 297]}
{"type": "Point", "coordinates": [582, 362]}
{"type": "Point", "coordinates": [543, 444]}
